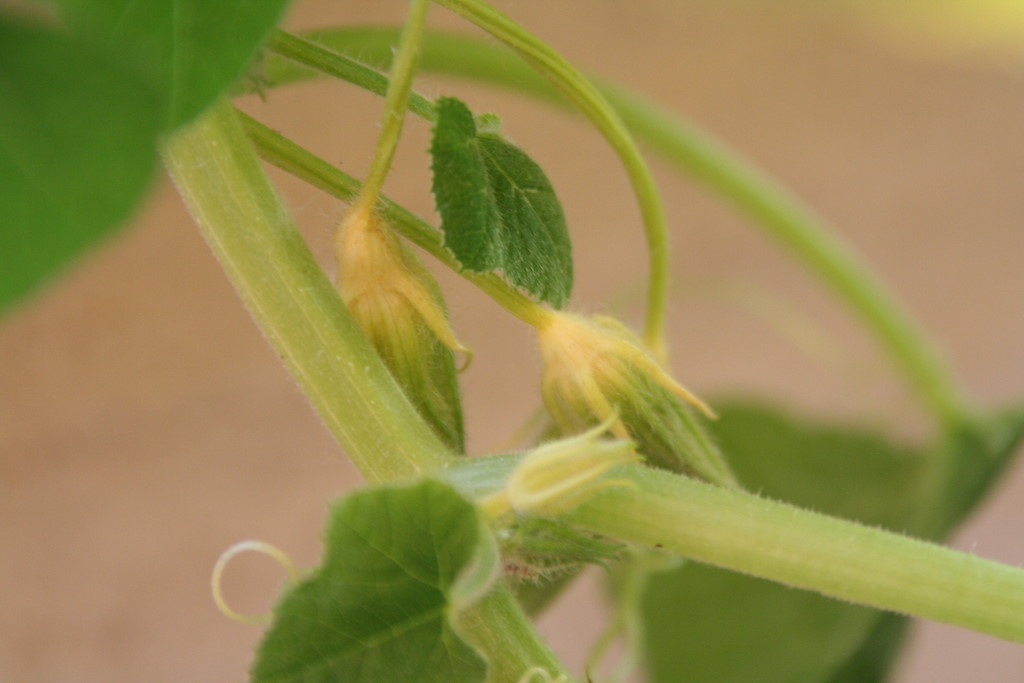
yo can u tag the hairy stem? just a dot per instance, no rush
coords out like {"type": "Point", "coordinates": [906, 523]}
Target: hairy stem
{"type": "Point", "coordinates": [743, 532]}
{"type": "Point", "coordinates": [295, 305]}
{"type": "Point", "coordinates": [251, 233]}
{"type": "Point", "coordinates": [304, 53]}
{"type": "Point", "coordinates": [777, 212]}
{"type": "Point", "coordinates": [396, 100]}
{"type": "Point", "coordinates": [779, 542]}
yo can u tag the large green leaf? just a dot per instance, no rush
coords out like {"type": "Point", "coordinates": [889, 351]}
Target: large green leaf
{"type": "Point", "coordinates": [77, 133]}
{"type": "Point", "coordinates": [498, 209]}
{"type": "Point", "coordinates": [874, 659]}
{"type": "Point", "coordinates": [979, 451]}
{"type": "Point", "coordinates": [706, 624]}
{"type": "Point", "coordinates": [191, 51]}
{"type": "Point", "coordinates": [399, 565]}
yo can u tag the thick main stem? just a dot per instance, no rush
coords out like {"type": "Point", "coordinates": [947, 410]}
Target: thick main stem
{"type": "Point", "coordinates": [251, 233]}
{"type": "Point", "coordinates": [745, 533]}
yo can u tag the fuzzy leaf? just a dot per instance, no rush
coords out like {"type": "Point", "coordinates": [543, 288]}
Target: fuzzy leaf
{"type": "Point", "coordinates": [78, 134]}
{"type": "Point", "coordinates": [498, 209]}
{"type": "Point", "coordinates": [190, 51]}
{"type": "Point", "coordinates": [399, 564]}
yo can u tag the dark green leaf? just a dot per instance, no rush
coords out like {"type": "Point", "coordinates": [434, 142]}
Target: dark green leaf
{"type": "Point", "coordinates": [77, 134]}
{"type": "Point", "coordinates": [498, 209]}
{"type": "Point", "coordinates": [874, 659]}
{"type": "Point", "coordinates": [399, 564]}
{"type": "Point", "coordinates": [190, 51]}
{"type": "Point", "coordinates": [706, 624]}
{"type": "Point", "coordinates": [979, 452]}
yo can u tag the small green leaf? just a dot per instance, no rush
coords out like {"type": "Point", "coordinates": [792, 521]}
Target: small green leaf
{"type": "Point", "coordinates": [707, 624]}
{"type": "Point", "coordinates": [77, 149]}
{"type": "Point", "coordinates": [190, 51]}
{"type": "Point", "coordinates": [399, 565]}
{"type": "Point", "coordinates": [498, 209]}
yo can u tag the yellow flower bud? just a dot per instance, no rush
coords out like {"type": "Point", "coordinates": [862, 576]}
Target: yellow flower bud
{"type": "Point", "coordinates": [595, 369]}
{"type": "Point", "coordinates": [560, 475]}
{"type": "Point", "coordinates": [400, 308]}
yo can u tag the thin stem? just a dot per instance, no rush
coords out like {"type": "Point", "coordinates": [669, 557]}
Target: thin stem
{"type": "Point", "coordinates": [782, 216]}
{"type": "Point", "coordinates": [252, 235]}
{"type": "Point", "coordinates": [303, 52]}
{"type": "Point", "coordinates": [395, 102]}
{"type": "Point", "coordinates": [589, 101]}
{"type": "Point", "coordinates": [300, 162]}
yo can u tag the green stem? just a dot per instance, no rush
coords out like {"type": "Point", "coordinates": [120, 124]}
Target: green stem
{"type": "Point", "coordinates": [776, 541]}
{"type": "Point", "coordinates": [773, 209]}
{"type": "Point", "coordinates": [589, 101]}
{"type": "Point", "coordinates": [302, 52]}
{"type": "Point", "coordinates": [300, 162]}
{"type": "Point", "coordinates": [497, 627]}
{"type": "Point", "coordinates": [250, 232]}
{"type": "Point", "coordinates": [396, 101]}
{"type": "Point", "coordinates": [802, 549]}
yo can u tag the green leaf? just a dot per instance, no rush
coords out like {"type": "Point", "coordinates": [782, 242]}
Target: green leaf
{"type": "Point", "coordinates": [190, 51]}
{"type": "Point", "coordinates": [77, 132]}
{"type": "Point", "coordinates": [706, 624]}
{"type": "Point", "coordinates": [874, 659]}
{"type": "Point", "coordinates": [980, 450]}
{"type": "Point", "coordinates": [399, 565]}
{"type": "Point", "coordinates": [498, 209]}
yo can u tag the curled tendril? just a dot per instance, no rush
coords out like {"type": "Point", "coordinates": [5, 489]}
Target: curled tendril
{"type": "Point", "coordinates": [221, 565]}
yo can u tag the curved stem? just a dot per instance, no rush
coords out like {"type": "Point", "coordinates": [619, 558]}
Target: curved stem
{"type": "Point", "coordinates": [781, 215]}
{"type": "Point", "coordinates": [585, 97]}
{"type": "Point", "coordinates": [300, 162]}
{"type": "Point", "coordinates": [395, 101]}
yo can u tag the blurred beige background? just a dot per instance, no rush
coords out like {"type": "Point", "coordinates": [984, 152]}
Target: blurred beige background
{"type": "Point", "coordinates": [145, 426]}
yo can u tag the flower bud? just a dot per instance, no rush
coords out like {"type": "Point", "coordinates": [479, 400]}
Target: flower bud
{"type": "Point", "coordinates": [400, 308]}
{"type": "Point", "coordinates": [595, 369]}
{"type": "Point", "coordinates": [556, 477]}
